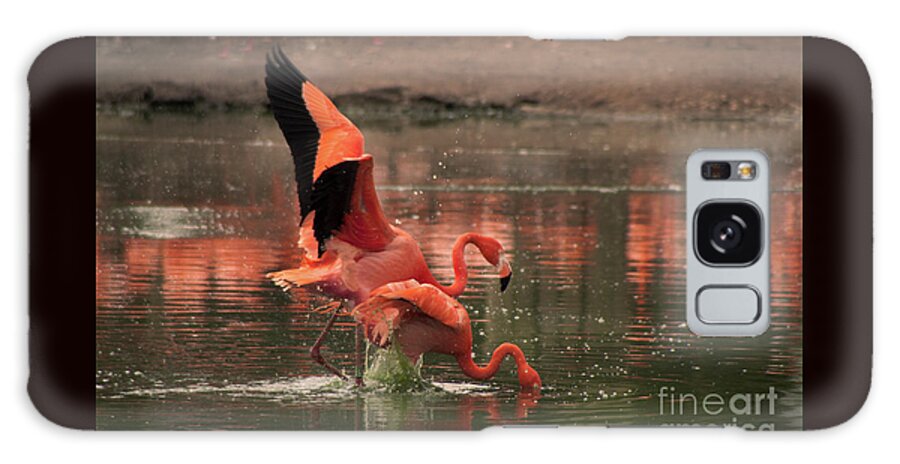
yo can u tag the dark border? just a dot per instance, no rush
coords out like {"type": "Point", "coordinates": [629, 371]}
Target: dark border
{"type": "Point", "coordinates": [61, 175]}
{"type": "Point", "coordinates": [837, 233]}
{"type": "Point", "coordinates": [837, 266]}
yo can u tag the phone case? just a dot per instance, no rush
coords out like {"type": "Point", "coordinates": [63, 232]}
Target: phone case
{"type": "Point", "coordinates": [412, 233]}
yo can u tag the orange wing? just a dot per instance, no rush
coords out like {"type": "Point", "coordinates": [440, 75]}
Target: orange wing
{"type": "Point", "coordinates": [339, 139]}
{"type": "Point", "coordinates": [390, 304]}
{"type": "Point", "coordinates": [334, 178]}
{"type": "Point", "coordinates": [427, 299]}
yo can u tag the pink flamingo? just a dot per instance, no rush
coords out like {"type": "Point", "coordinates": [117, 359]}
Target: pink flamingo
{"type": "Point", "coordinates": [341, 219]}
{"type": "Point", "coordinates": [420, 318]}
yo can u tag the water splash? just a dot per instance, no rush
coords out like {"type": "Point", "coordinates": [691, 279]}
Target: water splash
{"type": "Point", "coordinates": [387, 371]}
{"type": "Point", "coordinates": [390, 370]}
{"type": "Point", "coordinates": [283, 389]}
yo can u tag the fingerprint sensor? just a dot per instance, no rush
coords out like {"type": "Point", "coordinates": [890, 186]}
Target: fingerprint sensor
{"type": "Point", "coordinates": [721, 304]}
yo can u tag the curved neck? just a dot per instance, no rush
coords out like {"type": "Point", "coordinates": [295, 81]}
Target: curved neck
{"type": "Point", "coordinates": [460, 269]}
{"type": "Point", "coordinates": [468, 366]}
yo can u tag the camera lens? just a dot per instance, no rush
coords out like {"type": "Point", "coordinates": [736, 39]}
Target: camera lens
{"type": "Point", "coordinates": [728, 233]}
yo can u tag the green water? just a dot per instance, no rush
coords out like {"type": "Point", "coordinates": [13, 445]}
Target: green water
{"type": "Point", "coordinates": [193, 211]}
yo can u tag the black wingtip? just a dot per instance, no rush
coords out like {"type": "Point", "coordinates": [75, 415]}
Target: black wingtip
{"type": "Point", "coordinates": [277, 61]}
{"type": "Point", "coordinates": [284, 87]}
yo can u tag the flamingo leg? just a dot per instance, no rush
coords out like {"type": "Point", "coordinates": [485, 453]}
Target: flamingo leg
{"type": "Point", "coordinates": [359, 358]}
{"type": "Point", "coordinates": [315, 351]}
{"type": "Point", "coordinates": [327, 308]}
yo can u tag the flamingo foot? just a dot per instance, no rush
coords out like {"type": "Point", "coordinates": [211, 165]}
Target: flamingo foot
{"type": "Point", "coordinates": [316, 354]}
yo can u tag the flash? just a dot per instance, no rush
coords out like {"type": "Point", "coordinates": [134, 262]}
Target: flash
{"type": "Point", "coordinates": [746, 170]}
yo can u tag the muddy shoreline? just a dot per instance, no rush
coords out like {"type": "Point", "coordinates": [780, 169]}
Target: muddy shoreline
{"type": "Point", "coordinates": [694, 78]}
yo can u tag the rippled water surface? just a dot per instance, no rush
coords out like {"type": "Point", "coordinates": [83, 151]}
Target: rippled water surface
{"type": "Point", "coordinates": [193, 211]}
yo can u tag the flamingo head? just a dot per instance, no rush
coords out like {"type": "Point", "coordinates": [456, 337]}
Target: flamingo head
{"type": "Point", "coordinates": [529, 379]}
{"type": "Point", "coordinates": [492, 251]}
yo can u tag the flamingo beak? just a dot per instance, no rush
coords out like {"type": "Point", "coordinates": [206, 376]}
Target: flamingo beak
{"type": "Point", "coordinates": [505, 274]}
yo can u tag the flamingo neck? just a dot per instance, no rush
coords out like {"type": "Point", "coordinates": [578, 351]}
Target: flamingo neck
{"type": "Point", "coordinates": [468, 366]}
{"type": "Point", "coordinates": [460, 269]}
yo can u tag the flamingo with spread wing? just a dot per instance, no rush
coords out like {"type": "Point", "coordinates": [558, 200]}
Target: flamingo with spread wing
{"type": "Point", "coordinates": [348, 246]}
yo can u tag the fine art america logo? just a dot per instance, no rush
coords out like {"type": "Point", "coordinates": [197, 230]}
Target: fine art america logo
{"type": "Point", "coordinates": [745, 409]}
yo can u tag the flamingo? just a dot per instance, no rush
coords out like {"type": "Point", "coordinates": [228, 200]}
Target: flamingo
{"type": "Point", "coordinates": [348, 246]}
{"type": "Point", "coordinates": [421, 318]}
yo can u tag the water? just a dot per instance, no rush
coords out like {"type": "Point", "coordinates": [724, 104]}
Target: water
{"type": "Point", "coordinates": [193, 211]}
